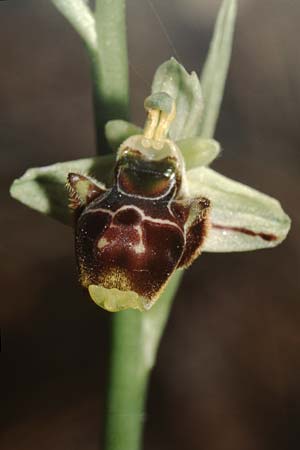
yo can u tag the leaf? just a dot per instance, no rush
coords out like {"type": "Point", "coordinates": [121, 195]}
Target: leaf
{"type": "Point", "coordinates": [80, 16]}
{"type": "Point", "coordinates": [44, 188]}
{"type": "Point", "coordinates": [215, 70]}
{"type": "Point", "coordinates": [172, 78]}
{"type": "Point", "coordinates": [198, 152]}
{"type": "Point", "coordinates": [242, 218]}
{"type": "Point", "coordinates": [117, 131]}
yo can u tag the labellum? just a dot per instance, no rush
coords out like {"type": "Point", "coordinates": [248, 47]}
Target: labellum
{"type": "Point", "coordinates": [130, 238]}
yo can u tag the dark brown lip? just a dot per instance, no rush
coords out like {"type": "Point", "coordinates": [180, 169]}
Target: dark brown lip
{"type": "Point", "coordinates": [264, 236]}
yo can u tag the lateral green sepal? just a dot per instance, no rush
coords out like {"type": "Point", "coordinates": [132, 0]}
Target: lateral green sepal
{"type": "Point", "coordinates": [44, 188]}
{"type": "Point", "coordinates": [242, 218]}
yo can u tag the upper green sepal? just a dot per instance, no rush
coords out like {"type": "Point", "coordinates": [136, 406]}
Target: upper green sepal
{"type": "Point", "coordinates": [172, 78]}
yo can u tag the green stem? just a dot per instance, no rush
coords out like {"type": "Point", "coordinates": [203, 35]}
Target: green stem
{"type": "Point", "coordinates": [127, 383]}
{"type": "Point", "coordinates": [110, 67]}
{"type": "Point", "coordinates": [135, 340]}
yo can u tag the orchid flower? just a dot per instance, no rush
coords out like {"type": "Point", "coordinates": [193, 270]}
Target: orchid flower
{"type": "Point", "coordinates": [191, 209]}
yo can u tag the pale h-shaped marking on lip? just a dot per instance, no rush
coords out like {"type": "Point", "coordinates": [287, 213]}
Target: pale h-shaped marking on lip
{"type": "Point", "coordinates": [139, 210]}
{"type": "Point", "coordinates": [140, 247]}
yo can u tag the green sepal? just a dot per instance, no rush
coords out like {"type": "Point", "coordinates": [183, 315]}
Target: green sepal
{"type": "Point", "coordinates": [44, 188]}
{"type": "Point", "coordinates": [246, 218]}
{"type": "Point", "coordinates": [117, 131]}
{"type": "Point", "coordinates": [172, 78]}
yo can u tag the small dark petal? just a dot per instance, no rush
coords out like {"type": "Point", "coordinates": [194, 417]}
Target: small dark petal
{"type": "Point", "coordinates": [196, 231]}
{"type": "Point", "coordinates": [82, 189]}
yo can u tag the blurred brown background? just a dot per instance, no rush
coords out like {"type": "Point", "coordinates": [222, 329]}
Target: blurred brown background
{"type": "Point", "coordinates": [228, 372]}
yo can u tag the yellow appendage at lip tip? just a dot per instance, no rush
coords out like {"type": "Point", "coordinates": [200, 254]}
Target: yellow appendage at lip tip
{"type": "Point", "coordinates": [114, 300]}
